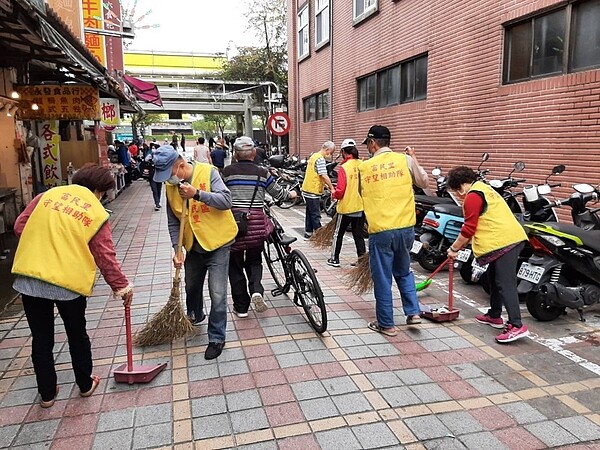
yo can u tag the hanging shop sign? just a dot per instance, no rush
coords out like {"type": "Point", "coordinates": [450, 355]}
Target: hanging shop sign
{"type": "Point", "coordinates": [93, 16]}
{"type": "Point", "coordinates": [50, 152]}
{"type": "Point", "coordinates": [59, 102]}
{"type": "Point", "coordinates": [110, 115]}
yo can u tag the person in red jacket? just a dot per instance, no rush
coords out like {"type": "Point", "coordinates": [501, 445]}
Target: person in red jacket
{"type": "Point", "coordinates": [349, 206]}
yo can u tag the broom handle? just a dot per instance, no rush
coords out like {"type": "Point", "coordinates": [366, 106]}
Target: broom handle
{"type": "Point", "coordinates": [440, 267]}
{"type": "Point", "coordinates": [128, 335]}
{"type": "Point", "coordinates": [451, 286]}
{"type": "Point", "coordinates": [181, 230]}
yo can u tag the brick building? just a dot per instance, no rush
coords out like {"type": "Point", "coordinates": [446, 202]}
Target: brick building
{"type": "Point", "coordinates": [517, 79]}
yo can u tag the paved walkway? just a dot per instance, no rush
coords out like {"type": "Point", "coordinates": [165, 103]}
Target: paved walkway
{"type": "Point", "coordinates": [278, 385]}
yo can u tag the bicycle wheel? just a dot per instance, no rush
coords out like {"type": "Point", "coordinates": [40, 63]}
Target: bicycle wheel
{"type": "Point", "coordinates": [309, 291]}
{"type": "Point", "coordinates": [274, 258]}
{"type": "Point", "coordinates": [286, 185]}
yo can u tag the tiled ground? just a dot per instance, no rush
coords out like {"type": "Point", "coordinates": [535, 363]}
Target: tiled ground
{"type": "Point", "coordinates": [278, 385]}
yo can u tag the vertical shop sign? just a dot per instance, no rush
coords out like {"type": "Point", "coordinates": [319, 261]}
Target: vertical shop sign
{"type": "Point", "coordinates": [93, 17]}
{"type": "Point", "coordinates": [109, 112]}
{"type": "Point", "coordinates": [50, 153]}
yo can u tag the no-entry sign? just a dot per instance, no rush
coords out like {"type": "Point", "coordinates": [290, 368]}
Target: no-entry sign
{"type": "Point", "coordinates": [279, 123]}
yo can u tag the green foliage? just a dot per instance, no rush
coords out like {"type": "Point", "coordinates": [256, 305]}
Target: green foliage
{"type": "Point", "coordinates": [214, 124]}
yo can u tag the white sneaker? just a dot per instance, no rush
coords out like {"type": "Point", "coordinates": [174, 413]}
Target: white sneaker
{"type": "Point", "coordinates": [259, 302]}
{"type": "Point", "coordinates": [241, 315]}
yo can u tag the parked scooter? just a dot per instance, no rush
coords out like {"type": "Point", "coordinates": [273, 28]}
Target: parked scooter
{"type": "Point", "coordinates": [564, 271]}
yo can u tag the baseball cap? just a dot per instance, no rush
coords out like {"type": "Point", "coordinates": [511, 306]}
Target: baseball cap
{"type": "Point", "coordinates": [378, 132]}
{"type": "Point", "coordinates": [243, 143]}
{"type": "Point", "coordinates": [348, 143]}
{"type": "Point", "coordinates": [164, 157]}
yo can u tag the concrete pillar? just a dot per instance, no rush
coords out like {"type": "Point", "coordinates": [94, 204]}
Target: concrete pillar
{"type": "Point", "coordinates": [247, 117]}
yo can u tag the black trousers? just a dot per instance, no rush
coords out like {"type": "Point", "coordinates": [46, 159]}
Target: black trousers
{"type": "Point", "coordinates": [502, 274]}
{"type": "Point", "coordinates": [241, 264]}
{"type": "Point", "coordinates": [156, 191]}
{"type": "Point", "coordinates": [343, 221]}
{"type": "Point", "coordinates": [312, 221]}
{"type": "Point", "coordinates": [40, 317]}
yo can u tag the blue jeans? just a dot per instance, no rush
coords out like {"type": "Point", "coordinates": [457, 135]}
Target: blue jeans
{"type": "Point", "coordinates": [156, 191]}
{"type": "Point", "coordinates": [312, 221]}
{"type": "Point", "coordinates": [389, 256]}
{"type": "Point", "coordinates": [216, 263]}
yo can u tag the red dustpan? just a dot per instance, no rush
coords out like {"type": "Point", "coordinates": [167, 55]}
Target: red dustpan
{"type": "Point", "coordinates": [128, 373]}
{"type": "Point", "coordinates": [447, 313]}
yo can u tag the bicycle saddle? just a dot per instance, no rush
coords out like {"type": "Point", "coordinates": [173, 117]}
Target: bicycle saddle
{"type": "Point", "coordinates": [287, 240]}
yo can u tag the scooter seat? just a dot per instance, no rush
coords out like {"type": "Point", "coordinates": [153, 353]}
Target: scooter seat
{"type": "Point", "coordinates": [589, 238]}
{"type": "Point", "coordinates": [433, 200]}
{"type": "Point", "coordinates": [453, 210]}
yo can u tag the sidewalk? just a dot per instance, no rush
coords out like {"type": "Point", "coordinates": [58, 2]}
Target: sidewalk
{"type": "Point", "coordinates": [278, 385]}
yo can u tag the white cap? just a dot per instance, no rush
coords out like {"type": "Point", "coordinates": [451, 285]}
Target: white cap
{"type": "Point", "coordinates": [348, 143]}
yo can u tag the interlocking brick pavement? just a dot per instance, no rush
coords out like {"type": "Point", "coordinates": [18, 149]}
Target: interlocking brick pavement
{"type": "Point", "coordinates": [278, 385]}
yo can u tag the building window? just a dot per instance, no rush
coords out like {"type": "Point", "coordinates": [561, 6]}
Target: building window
{"type": "Point", "coordinates": [404, 82]}
{"type": "Point", "coordinates": [538, 46]}
{"type": "Point", "coordinates": [321, 22]}
{"type": "Point", "coordinates": [316, 107]}
{"type": "Point", "coordinates": [363, 9]}
{"type": "Point", "coordinates": [303, 39]}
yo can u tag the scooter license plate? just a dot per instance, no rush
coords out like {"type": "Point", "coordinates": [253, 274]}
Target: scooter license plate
{"type": "Point", "coordinates": [463, 255]}
{"type": "Point", "coordinates": [478, 267]}
{"type": "Point", "coordinates": [416, 247]}
{"type": "Point", "coordinates": [530, 273]}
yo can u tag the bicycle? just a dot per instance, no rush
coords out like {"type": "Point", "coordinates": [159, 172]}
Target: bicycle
{"type": "Point", "coordinates": [290, 269]}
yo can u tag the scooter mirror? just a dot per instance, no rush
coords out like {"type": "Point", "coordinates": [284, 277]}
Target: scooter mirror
{"type": "Point", "coordinates": [485, 157]}
{"type": "Point", "coordinates": [584, 188]}
{"type": "Point", "coordinates": [544, 189]}
{"type": "Point", "coordinates": [558, 169]}
{"type": "Point", "coordinates": [436, 172]}
{"type": "Point", "coordinates": [519, 166]}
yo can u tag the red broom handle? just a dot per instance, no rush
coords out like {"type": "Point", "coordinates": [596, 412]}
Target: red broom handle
{"type": "Point", "coordinates": [451, 286]}
{"type": "Point", "coordinates": [128, 334]}
{"type": "Point", "coordinates": [440, 267]}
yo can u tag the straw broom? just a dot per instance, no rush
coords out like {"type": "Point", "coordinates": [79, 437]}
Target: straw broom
{"type": "Point", "coordinates": [359, 279]}
{"type": "Point", "coordinates": [323, 237]}
{"type": "Point", "coordinates": [170, 322]}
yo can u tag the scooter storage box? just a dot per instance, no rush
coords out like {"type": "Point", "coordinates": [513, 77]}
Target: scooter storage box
{"type": "Point", "coordinates": [277, 161]}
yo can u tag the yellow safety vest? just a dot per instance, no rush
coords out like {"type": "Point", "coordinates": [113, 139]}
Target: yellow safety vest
{"type": "Point", "coordinates": [54, 246]}
{"type": "Point", "coordinates": [211, 227]}
{"type": "Point", "coordinates": [497, 227]}
{"type": "Point", "coordinates": [351, 202]}
{"type": "Point", "coordinates": [313, 183]}
{"type": "Point", "coordinates": [387, 192]}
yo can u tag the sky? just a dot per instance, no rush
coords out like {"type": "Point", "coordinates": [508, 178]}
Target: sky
{"type": "Point", "coordinates": [201, 26]}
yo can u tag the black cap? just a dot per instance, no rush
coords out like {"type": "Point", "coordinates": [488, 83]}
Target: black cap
{"type": "Point", "coordinates": [378, 132]}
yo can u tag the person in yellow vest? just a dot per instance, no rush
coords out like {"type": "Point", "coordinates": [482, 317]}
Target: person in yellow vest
{"type": "Point", "coordinates": [349, 206]}
{"type": "Point", "coordinates": [386, 187]}
{"type": "Point", "coordinates": [496, 238]}
{"type": "Point", "coordinates": [315, 180]}
{"type": "Point", "coordinates": [210, 230]}
{"type": "Point", "coordinates": [64, 234]}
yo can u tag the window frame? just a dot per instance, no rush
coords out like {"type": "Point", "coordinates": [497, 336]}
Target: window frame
{"type": "Point", "coordinates": [320, 7]}
{"type": "Point", "coordinates": [570, 33]}
{"type": "Point", "coordinates": [393, 93]}
{"type": "Point", "coordinates": [367, 11]}
{"type": "Point", "coordinates": [320, 112]}
{"type": "Point", "coordinates": [303, 29]}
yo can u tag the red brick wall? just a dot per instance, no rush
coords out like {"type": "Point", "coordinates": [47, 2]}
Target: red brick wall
{"type": "Point", "coordinates": [468, 111]}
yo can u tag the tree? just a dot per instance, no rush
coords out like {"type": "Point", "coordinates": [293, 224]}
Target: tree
{"type": "Point", "coordinates": [141, 121]}
{"type": "Point", "coordinates": [214, 124]}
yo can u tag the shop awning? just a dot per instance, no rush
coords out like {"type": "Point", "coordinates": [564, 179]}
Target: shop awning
{"type": "Point", "coordinates": [33, 32]}
{"type": "Point", "coordinates": [143, 90]}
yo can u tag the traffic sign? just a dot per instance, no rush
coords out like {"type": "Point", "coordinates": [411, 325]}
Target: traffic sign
{"type": "Point", "coordinates": [279, 124]}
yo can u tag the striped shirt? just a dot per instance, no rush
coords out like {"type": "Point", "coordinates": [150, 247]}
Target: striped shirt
{"type": "Point", "coordinates": [321, 169]}
{"type": "Point", "coordinates": [241, 178]}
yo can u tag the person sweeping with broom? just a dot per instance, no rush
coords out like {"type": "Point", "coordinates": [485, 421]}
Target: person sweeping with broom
{"type": "Point", "coordinates": [386, 187]}
{"type": "Point", "coordinates": [349, 206]}
{"type": "Point", "coordinates": [209, 231]}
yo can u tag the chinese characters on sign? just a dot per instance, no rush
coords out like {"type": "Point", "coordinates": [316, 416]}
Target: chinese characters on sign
{"type": "Point", "coordinates": [93, 16]}
{"type": "Point", "coordinates": [72, 206]}
{"type": "Point", "coordinates": [109, 112]}
{"type": "Point", "coordinates": [72, 102]}
{"type": "Point", "coordinates": [50, 153]}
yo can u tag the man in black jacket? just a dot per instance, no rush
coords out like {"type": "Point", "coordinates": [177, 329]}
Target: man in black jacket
{"type": "Point", "coordinates": [248, 183]}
